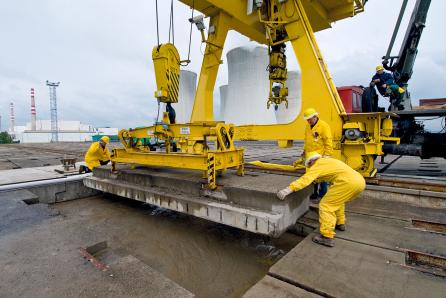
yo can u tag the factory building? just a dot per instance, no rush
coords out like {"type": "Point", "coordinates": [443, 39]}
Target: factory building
{"type": "Point", "coordinates": [69, 131]}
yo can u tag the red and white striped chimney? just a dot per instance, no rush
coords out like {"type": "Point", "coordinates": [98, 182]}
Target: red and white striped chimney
{"type": "Point", "coordinates": [33, 111]}
{"type": "Point", "coordinates": [12, 117]}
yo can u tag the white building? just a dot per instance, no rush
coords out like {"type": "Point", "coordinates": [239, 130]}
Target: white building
{"type": "Point", "coordinates": [107, 131]}
{"type": "Point", "coordinates": [68, 131]}
{"type": "Point", "coordinates": [63, 125]}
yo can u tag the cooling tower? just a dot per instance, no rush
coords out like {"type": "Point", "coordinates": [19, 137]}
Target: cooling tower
{"type": "Point", "coordinates": [248, 83]}
{"type": "Point", "coordinates": [223, 99]}
{"type": "Point", "coordinates": [11, 117]}
{"type": "Point", "coordinates": [33, 110]}
{"type": "Point", "coordinates": [188, 84]}
{"type": "Point", "coordinates": [284, 115]}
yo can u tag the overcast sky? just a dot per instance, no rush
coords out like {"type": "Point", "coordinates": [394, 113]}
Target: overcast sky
{"type": "Point", "coordinates": [100, 51]}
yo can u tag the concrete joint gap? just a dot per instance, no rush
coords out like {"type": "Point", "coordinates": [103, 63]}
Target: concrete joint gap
{"type": "Point", "coordinates": [380, 216]}
{"type": "Point", "coordinates": [299, 285]}
{"type": "Point", "coordinates": [372, 245]}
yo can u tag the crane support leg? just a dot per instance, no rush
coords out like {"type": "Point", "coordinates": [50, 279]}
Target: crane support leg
{"type": "Point", "coordinates": [204, 99]}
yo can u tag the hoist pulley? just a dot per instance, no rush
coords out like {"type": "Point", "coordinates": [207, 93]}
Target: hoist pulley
{"type": "Point", "coordinates": [166, 61]}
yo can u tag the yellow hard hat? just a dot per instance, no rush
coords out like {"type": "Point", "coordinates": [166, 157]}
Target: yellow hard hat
{"type": "Point", "coordinates": [401, 90]}
{"type": "Point", "coordinates": [309, 113]}
{"type": "Point", "coordinates": [106, 139]}
{"type": "Point", "coordinates": [310, 156]}
{"type": "Point", "coordinates": [379, 67]}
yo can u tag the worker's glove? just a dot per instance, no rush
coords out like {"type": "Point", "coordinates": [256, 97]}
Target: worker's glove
{"type": "Point", "coordinates": [298, 163]}
{"type": "Point", "coordinates": [283, 193]}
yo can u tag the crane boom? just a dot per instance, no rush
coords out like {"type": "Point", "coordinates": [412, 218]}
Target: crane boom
{"type": "Point", "coordinates": [402, 65]}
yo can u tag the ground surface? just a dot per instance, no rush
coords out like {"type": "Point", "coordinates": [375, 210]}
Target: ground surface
{"type": "Point", "coordinates": [369, 258]}
{"type": "Point", "coordinates": [39, 244]}
{"type": "Point", "coordinates": [43, 154]}
{"type": "Point", "coordinates": [40, 258]}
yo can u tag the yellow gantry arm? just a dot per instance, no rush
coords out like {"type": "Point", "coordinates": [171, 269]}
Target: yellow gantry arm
{"type": "Point", "coordinates": [203, 110]}
{"type": "Point", "coordinates": [318, 90]}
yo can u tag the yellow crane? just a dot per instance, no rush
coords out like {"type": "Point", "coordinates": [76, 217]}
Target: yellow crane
{"type": "Point", "coordinates": [207, 145]}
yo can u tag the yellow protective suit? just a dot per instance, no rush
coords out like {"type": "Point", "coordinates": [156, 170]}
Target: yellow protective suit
{"type": "Point", "coordinates": [345, 185]}
{"type": "Point", "coordinates": [95, 154]}
{"type": "Point", "coordinates": [318, 138]}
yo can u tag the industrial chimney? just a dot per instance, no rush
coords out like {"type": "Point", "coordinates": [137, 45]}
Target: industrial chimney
{"type": "Point", "coordinates": [33, 111]}
{"type": "Point", "coordinates": [12, 118]}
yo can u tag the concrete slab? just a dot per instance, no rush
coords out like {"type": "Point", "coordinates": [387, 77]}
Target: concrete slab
{"type": "Point", "coordinates": [16, 215]}
{"type": "Point", "coordinates": [13, 176]}
{"type": "Point", "coordinates": [392, 234]}
{"type": "Point", "coordinates": [388, 233]}
{"type": "Point", "coordinates": [397, 210]}
{"type": "Point", "coordinates": [248, 203]}
{"type": "Point", "coordinates": [270, 287]}
{"type": "Point", "coordinates": [27, 175]}
{"type": "Point", "coordinates": [352, 269]}
{"type": "Point", "coordinates": [138, 280]}
{"type": "Point", "coordinates": [411, 165]}
{"type": "Point", "coordinates": [43, 259]}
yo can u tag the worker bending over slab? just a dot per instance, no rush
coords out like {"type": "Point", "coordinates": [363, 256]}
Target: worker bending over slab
{"type": "Point", "coordinates": [97, 155]}
{"type": "Point", "coordinates": [345, 185]}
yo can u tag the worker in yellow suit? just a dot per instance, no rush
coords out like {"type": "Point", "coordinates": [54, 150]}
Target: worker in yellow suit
{"type": "Point", "coordinates": [317, 138]}
{"type": "Point", "coordinates": [345, 185]}
{"type": "Point", "coordinates": [96, 155]}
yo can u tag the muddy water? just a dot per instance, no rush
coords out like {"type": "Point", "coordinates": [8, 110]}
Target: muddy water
{"type": "Point", "coordinates": [208, 259]}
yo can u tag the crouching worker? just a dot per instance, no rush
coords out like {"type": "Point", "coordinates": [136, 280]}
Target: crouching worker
{"type": "Point", "coordinates": [345, 185]}
{"type": "Point", "coordinates": [97, 155]}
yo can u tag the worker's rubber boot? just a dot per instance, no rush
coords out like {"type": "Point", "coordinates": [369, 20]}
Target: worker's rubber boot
{"type": "Point", "coordinates": [322, 240]}
{"type": "Point", "coordinates": [340, 228]}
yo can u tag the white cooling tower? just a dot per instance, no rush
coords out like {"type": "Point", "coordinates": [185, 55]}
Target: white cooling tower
{"type": "Point", "coordinates": [284, 115]}
{"type": "Point", "coordinates": [188, 84]}
{"type": "Point", "coordinates": [248, 87]}
{"type": "Point", "coordinates": [223, 99]}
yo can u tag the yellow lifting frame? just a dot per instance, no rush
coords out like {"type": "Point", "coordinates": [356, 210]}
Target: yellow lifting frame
{"type": "Point", "coordinates": [210, 162]}
{"type": "Point", "coordinates": [206, 147]}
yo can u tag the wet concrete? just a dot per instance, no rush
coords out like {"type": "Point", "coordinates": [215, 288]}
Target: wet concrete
{"type": "Point", "coordinates": [40, 257]}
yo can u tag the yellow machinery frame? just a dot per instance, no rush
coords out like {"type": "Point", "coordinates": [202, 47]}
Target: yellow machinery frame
{"type": "Point", "coordinates": [206, 147]}
{"type": "Point", "coordinates": [300, 19]}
